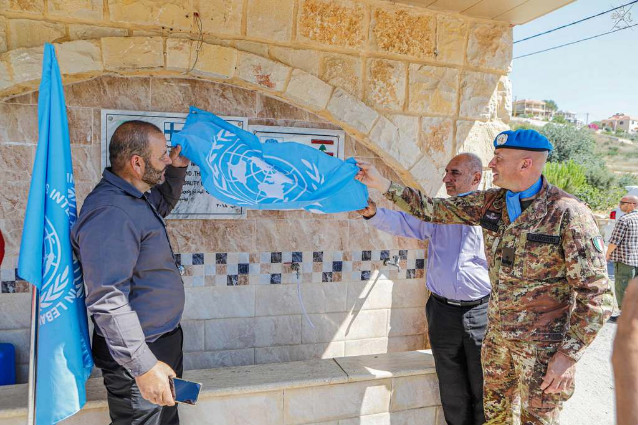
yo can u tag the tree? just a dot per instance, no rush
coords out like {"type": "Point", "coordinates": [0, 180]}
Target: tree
{"type": "Point", "coordinates": [551, 105]}
{"type": "Point", "coordinates": [559, 119]}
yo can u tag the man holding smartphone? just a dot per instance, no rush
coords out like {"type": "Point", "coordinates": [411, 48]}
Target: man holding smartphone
{"type": "Point", "coordinates": [135, 294]}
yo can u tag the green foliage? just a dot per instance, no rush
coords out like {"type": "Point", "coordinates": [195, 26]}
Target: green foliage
{"type": "Point", "coordinates": [568, 175]}
{"type": "Point", "coordinates": [559, 119]}
{"type": "Point", "coordinates": [612, 151]}
{"type": "Point", "coordinates": [551, 104]}
{"type": "Point", "coordinates": [600, 199]}
{"type": "Point", "coordinates": [627, 180]}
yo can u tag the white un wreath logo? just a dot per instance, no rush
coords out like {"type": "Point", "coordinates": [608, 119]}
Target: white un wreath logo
{"type": "Point", "coordinates": [54, 281]}
{"type": "Point", "coordinates": [249, 180]}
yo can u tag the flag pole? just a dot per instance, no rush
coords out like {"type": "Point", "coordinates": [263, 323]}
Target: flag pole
{"type": "Point", "coordinates": [33, 359]}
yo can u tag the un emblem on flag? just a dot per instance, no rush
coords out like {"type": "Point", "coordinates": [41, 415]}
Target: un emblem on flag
{"type": "Point", "coordinates": [54, 281]}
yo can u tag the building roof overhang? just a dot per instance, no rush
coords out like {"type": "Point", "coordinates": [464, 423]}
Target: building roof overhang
{"type": "Point", "coordinates": [514, 12]}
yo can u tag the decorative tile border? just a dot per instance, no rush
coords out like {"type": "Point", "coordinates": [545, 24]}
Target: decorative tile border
{"type": "Point", "coordinates": [279, 267]}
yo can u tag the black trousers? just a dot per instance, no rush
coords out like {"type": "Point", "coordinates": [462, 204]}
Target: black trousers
{"type": "Point", "coordinates": [126, 405]}
{"type": "Point", "coordinates": [456, 335]}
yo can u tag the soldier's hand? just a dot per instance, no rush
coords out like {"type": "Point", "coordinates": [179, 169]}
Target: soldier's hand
{"type": "Point", "coordinates": [560, 374]}
{"type": "Point", "coordinates": [371, 177]}
{"type": "Point", "coordinates": [154, 385]}
{"type": "Point", "coordinates": [370, 210]}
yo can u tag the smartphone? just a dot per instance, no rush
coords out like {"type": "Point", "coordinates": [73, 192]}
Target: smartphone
{"type": "Point", "coordinates": [185, 391]}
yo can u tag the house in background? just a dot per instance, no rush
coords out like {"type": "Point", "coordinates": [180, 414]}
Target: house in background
{"type": "Point", "coordinates": [570, 117]}
{"type": "Point", "coordinates": [622, 122]}
{"type": "Point", "coordinates": [529, 108]}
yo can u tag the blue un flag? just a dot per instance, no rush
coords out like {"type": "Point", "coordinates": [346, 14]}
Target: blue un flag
{"type": "Point", "coordinates": [238, 169]}
{"type": "Point", "coordinates": [63, 355]}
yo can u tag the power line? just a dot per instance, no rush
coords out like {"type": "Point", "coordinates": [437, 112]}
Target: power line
{"type": "Point", "coordinates": [575, 22]}
{"type": "Point", "coordinates": [574, 42]}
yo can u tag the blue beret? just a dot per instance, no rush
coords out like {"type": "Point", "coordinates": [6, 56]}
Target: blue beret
{"type": "Point", "coordinates": [529, 140]}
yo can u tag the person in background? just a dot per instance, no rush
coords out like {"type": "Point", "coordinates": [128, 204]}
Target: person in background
{"type": "Point", "coordinates": [550, 291]}
{"type": "Point", "coordinates": [623, 246]}
{"type": "Point", "coordinates": [459, 284]}
{"type": "Point", "coordinates": [134, 290]}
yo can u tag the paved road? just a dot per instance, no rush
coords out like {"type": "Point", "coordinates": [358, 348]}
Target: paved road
{"type": "Point", "coordinates": [593, 400]}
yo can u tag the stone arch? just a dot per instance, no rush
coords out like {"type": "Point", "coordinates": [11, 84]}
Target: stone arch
{"type": "Point", "coordinates": [82, 60]}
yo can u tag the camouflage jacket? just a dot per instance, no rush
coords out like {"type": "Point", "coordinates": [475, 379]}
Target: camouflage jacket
{"type": "Point", "coordinates": [548, 270]}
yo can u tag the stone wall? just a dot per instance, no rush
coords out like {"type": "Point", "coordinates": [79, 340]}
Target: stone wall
{"type": "Point", "coordinates": [410, 86]}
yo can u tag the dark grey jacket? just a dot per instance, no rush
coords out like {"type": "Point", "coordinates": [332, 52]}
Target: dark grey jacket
{"type": "Point", "coordinates": [133, 287]}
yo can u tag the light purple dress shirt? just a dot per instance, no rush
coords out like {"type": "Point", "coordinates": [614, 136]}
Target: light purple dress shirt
{"type": "Point", "coordinates": [457, 268]}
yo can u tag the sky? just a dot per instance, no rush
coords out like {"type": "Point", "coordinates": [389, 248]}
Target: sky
{"type": "Point", "coordinates": [598, 76]}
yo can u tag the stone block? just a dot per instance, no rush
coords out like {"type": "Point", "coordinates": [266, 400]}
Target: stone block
{"type": "Point", "coordinates": [277, 330]}
{"type": "Point", "coordinates": [379, 419]}
{"type": "Point", "coordinates": [478, 95]}
{"type": "Point", "coordinates": [84, 32]}
{"type": "Point", "coordinates": [385, 86]}
{"type": "Point", "coordinates": [290, 353]}
{"type": "Point", "coordinates": [3, 35]}
{"type": "Point", "coordinates": [219, 302]}
{"type": "Point", "coordinates": [194, 335]}
{"type": "Point", "coordinates": [304, 59]}
{"type": "Point", "coordinates": [80, 126]}
{"type": "Point", "coordinates": [308, 90]}
{"type": "Point", "coordinates": [229, 334]}
{"type": "Point", "coordinates": [351, 111]}
{"type": "Point", "coordinates": [451, 37]}
{"type": "Point", "coordinates": [428, 174]}
{"type": "Point", "coordinates": [259, 408]}
{"type": "Point", "coordinates": [132, 52]}
{"type": "Point", "coordinates": [317, 404]}
{"type": "Point", "coordinates": [440, 416]}
{"type": "Point", "coordinates": [400, 344]}
{"type": "Point", "coordinates": [82, 9]}
{"type": "Point", "coordinates": [6, 80]}
{"type": "Point", "coordinates": [220, 16]}
{"type": "Point", "coordinates": [490, 46]}
{"type": "Point", "coordinates": [76, 57]}
{"type": "Point", "coordinates": [215, 61]}
{"type": "Point", "coordinates": [31, 33]}
{"type": "Point", "coordinates": [425, 415]}
{"type": "Point", "coordinates": [269, 19]}
{"type": "Point", "coordinates": [365, 324]}
{"type": "Point", "coordinates": [282, 299]}
{"type": "Point", "coordinates": [362, 347]}
{"type": "Point", "coordinates": [172, 14]}
{"type": "Point", "coordinates": [433, 89]}
{"type": "Point", "coordinates": [413, 392]}
{"type": "Point", "coordinates": [385, 135]}
{"type": "Point", "coordinates": [178, 54]}
{"type": "Point", "coordinates": [504, 99]}
{"type": "Point", "coordinates": [408, 146]}
{"type": "Point", "coordinates": [407, 321]}
{"type": "Point", "coordinates": [35, 7]}
{"type": "Point", "coordinates": [263, 72]}
{"type": "Point", "coordinates": [404, 32]}
{"type": "Point", "coordinates": [436, 139]}
{"type": "Point", "coordinates": [12, 232]}
{"type": "Point", "coordinates": [19, 126]}
{"type": "Point", "coordinates": [26, 64]}
{"type": "Point", "coordinates": [328, 327]}
{"type": "Point", "coordinates": [339, 24]}
{"type": "Point", "coordinates": [260, 49]}
{"type": "Point", "coordinates": [86, 163]}
{"type": "Point", "coordinates": [385, 294]}
{"type": "Point", "coordinates": [215, 359]}
{"type": "Point", "coordinates": [13, 201]}
{"type": "Point", "coordinates": [342, 71]}
{"type": "Point", "coordinates": [478, 137]}
{"type": "Point", "coordinates": [16, 311]}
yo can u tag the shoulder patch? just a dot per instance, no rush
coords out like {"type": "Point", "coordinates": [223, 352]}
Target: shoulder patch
{"type": "Point", "coordinates": [597, 241]}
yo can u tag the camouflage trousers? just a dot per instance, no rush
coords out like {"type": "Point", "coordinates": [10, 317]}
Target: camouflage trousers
{"type": "Point", "coordinates": [514, 370]}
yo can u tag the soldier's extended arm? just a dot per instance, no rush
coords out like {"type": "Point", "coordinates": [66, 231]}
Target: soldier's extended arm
{"type": "Point", "coordinates": [457, 210]}
{"type": "Point", "coordinates": [587, 274]}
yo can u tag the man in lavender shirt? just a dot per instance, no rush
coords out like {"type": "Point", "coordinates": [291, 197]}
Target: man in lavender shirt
{"type": "Point", "coordinates": [459, 284]}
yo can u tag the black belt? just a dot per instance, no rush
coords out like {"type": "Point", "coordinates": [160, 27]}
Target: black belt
{"type": "Point", "coordinates": [458, 303]}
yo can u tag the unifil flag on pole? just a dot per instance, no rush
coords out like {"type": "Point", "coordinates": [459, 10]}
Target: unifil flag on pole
{"type": "Point", "coordinates": [46, 260]}
{"type": "Point", "coordinates": [239, 170]}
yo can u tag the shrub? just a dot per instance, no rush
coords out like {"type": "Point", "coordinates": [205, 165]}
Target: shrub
{"type": "Point", "coordinates": [568, 175]}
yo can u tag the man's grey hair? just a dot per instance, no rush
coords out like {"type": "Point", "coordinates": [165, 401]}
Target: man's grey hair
{"type": "Point", "coordinates": [474, 162]}
{"type": "Point", "coordinates": [130, 138]}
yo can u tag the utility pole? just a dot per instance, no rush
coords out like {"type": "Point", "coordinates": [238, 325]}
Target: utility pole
{"type": "Point", "coordinates": [587, 119]}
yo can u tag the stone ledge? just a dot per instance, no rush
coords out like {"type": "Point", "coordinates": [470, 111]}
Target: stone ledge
{"type": "Point", "coordinates": [259, 378]}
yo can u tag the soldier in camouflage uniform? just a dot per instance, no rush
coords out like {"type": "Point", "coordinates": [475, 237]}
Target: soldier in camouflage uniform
{"type": "Point", "coordinates": [550, 290]}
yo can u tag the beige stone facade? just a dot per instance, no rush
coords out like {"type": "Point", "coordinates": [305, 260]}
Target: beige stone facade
{"type": "Point", "coordinates": [410, 86]}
